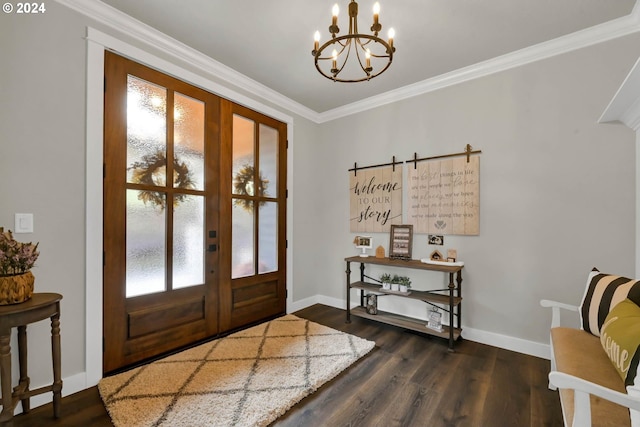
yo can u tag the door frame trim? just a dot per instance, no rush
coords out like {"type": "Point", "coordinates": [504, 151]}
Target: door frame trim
{"type": "Point", "coordinates": [97, 43]}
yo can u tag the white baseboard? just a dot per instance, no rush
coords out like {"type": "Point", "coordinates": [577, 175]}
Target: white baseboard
{"type": "Point", "coordinates": [484, 337]}
{"type": "Point", "coordinates": [506, 342]}
{"type": "Point", "coordinates": [318, 299]}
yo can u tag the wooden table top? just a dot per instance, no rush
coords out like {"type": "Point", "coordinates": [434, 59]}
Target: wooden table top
{"type": "Point", "coordinates": [37, 300]}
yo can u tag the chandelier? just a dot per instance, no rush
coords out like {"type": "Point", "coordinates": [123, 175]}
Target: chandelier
{"type": "Point", "coordinates": [373, 55]}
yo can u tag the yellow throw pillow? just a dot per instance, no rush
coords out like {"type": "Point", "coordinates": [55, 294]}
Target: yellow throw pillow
{"type": "Point", "coordinates": [620, 338]}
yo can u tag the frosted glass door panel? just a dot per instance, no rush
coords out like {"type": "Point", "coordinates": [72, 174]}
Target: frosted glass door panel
{"type": "Point", "coordinates": [188, 140]}
{"type": "Point", "coordinates": [269, 160]}
{"type": "Point", "coordinates": [268, 238]}
{"type": "Point", "coordinates": [242, 232]}
{"type": "Point", "coordinates": [188, 243]}
{"type": "Point", "coordinates": [243, 156]}
{"type": "Point", "coordinates": [146, 248]}
{"type": "Point", "coordinates": [146, 132]}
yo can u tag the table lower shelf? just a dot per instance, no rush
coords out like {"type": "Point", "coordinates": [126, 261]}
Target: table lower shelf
{"type": "Point", "coordinates": [405, 322]}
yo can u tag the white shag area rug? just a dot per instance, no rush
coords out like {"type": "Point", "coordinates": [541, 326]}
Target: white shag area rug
{"type": "Point", "coordinates": [249, 378]}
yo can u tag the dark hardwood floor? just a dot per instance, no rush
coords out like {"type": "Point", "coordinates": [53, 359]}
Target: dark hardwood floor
{"type": "Point", "coordinates": [407, 380]}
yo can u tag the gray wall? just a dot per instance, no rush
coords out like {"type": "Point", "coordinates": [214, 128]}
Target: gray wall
{"type": "Point", "coordinates": [42, 165]}
{"type": "Point", "coordinates": [557, 190]}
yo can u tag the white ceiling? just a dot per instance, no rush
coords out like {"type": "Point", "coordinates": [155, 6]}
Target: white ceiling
{"type": "Point", "coordinates": [270, 41]}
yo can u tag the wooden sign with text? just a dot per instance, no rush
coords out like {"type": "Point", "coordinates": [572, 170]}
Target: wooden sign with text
{"type": "Point", "coordinates": [375, 199]}
{"type": "Point", "coordinates": [444, 196]}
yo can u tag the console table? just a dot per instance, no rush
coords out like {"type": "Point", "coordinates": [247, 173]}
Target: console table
{"type": "Point", "coordinates": [41, 306]}
{"type": "Point", "coordinates": [449, 299]}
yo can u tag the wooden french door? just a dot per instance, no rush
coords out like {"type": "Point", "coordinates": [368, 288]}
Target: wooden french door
{"type": "Point", "coordinates": [192, 247]}
{"type": "Point", "coordinates": [254, 148]}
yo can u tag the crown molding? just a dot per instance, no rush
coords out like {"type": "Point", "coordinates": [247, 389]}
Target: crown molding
{"type": "Point", "coordinates": [139, 31]}
{"type": "Point", "coordinates": [131, 27]}
{"type": "Point", "coordinates": [600, 33]}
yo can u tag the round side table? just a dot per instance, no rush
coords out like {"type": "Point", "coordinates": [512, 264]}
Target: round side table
{"type": "Point", "coordinates": [39, 307]}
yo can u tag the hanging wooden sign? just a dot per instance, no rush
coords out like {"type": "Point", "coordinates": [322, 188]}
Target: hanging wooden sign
{"type": "Point", "coordinates": [444, 195]}
{"type": "Point", "coordinates": [375, 198]}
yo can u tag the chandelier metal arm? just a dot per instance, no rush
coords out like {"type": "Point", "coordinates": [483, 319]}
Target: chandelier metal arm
{"type": "Point", "coordinates": [346, 41]}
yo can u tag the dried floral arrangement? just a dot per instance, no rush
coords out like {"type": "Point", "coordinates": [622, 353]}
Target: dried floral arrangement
{"type": "Point", "coordinates": [16, 257]}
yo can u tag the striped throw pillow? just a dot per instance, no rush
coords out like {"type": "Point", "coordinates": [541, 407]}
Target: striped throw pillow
{"type": "Point", "coordinates": [603, 292]}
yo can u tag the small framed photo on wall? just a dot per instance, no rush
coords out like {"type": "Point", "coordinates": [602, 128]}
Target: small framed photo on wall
{"type": "Point", "coordinates": [400, 241]}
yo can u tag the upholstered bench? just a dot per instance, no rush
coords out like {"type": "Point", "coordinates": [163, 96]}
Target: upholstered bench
{"type": "Point", "coordinates": [592, 391]}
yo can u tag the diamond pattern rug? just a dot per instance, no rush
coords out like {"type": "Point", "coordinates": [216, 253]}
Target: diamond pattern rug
{"type": "Point", "coordinates": [249, 378]}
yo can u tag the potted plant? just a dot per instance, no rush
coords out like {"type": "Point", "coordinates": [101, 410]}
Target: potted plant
{"type": "Point", "coordinates": [385, 279]}
{"type": "Point", "coordinates": [395, 283]}
{"type": "Point", "coordinates": [16, 261]}
{"type": "Point", "coordinates": [405, 283]}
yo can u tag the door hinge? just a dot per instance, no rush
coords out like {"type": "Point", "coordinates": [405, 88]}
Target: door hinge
{"type": "Point", "coordinates": [104, 170]}
{"type": "Point", "coordinates": [286, 193]}
{"type": "Point", "coordinates": [286, 293]}
{"type": "Point", "coordinates": [105, 85]}
{"type": "Point", "coordinates": [286, 244]}
{"type": "Point", "coordinates": [104, 259]}
{"type": "Point", "coordinates": [287, 144]}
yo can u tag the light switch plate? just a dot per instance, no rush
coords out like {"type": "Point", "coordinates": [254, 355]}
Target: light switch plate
{"type": "Point", "coordinates": [23, 223]}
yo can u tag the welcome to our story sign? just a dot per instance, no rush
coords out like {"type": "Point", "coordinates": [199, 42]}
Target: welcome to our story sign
{"type": "Point", "coordinates": [375, 199]}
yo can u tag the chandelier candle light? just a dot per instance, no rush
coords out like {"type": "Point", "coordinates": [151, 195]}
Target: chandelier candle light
{"type": "Point", "coordinates": [366, 48]}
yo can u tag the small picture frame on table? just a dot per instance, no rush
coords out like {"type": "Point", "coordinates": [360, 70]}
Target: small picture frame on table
{"type": "Point", "coordinates": [400, 241]}
{"type": "Point", "coordinates": [363, 243]}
